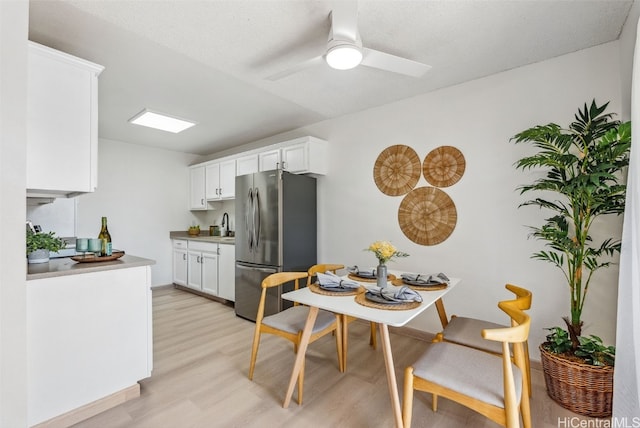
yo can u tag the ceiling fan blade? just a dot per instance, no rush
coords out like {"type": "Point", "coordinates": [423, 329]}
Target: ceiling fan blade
{"type": "Point", "coordinates": [395, 64]}
{"type": "Point", "coordinates": [344, 20]}
{"type": "Point", "coordinates": [296, 68]}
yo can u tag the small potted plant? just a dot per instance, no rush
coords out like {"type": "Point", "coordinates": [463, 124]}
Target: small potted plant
{"type": "Point", "coordinates": [584, 167]}
{"type": "Point", "coordinates": [39, 244]}
{"type": "Point", "coordinates": [194, 230]}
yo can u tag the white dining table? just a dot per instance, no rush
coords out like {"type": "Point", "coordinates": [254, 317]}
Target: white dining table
{"type": "Point", "coordinates": [346, 305]}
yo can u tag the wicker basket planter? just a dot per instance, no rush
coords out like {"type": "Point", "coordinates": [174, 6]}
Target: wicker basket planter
{"type": "Point", "coordinates": [581, 388]}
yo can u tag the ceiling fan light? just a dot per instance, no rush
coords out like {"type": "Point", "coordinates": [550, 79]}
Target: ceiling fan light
{"type": "Point", "coordinates": [344, 57]}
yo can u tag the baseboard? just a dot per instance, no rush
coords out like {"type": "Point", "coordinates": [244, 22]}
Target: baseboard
{"type": "Point", "coordinates": [200, 293]}
{"type": "Point", "coordinates": [161, 287]}
{"type": "Point", "coordinates": [91, 409]}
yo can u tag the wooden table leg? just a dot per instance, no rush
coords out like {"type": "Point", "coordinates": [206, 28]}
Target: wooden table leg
{"type": "Point", "coordinates": [391, 374]}
{"type": "Point", "coordinates": [302, 350]}
{"type": "Point", "coordinates": [345, 341]}
{"type": "Point", "coordinates": [441, 313]}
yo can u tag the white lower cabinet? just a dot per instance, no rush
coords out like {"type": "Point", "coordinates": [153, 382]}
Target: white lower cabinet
{"type": "Point", "coordinates": [227, 272]}
{"type": "Point", "coordinates": [202, 267]}
{"type": "Point", "coordinates": [89, 338]}
{"type": "Point", "coordinates": [179, 261]}
{"type": "Point", "coordinates": [207, 267]}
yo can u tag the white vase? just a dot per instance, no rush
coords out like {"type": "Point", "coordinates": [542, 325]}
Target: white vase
{"type": "Point", "coordinates": [38, 256]}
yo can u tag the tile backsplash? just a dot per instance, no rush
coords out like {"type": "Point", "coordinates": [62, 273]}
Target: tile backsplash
{"type": "Point", "coordinates": [58, 216]}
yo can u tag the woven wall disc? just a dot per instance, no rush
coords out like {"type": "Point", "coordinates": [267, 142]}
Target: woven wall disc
{"type": "Point", "coordinates": [397, 170]}
{"type": "Point", "coordinates": [427, 216]}
{"type": "Point", "coordinates": [443, 166]}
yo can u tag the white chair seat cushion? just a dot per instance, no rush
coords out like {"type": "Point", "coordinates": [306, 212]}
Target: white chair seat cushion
{"type": "Point", "coordinates": [471, 372]}
{"type": "Point", "coordinates": [468, 332]}
{"type": "Point", "coordinates": [293, 319]}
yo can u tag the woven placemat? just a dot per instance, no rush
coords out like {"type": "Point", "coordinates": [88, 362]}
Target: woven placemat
{"type": "Point", "coordinates": [361, 299]}
{"type": "Point", "coordinates": [434, 287]}
{"type": "Point", "coordinates": [316, 289]}
{"type": "Point", "coordinates": [390, 277]}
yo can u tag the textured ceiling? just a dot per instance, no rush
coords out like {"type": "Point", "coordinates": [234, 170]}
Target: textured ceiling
{"type": "Point", "coordinates": [207, 60]}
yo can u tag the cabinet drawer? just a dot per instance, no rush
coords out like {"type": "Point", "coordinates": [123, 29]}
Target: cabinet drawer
{"type": "Point", "coordinates": [203, 246]}
{"type": "Point", "coordinates": [180, 243]}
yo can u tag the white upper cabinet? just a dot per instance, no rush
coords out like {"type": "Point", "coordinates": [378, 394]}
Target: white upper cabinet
{"type": "Point", "coordinates": [212, 174]}
{"type": "Point", "coordinates": [247, 164]}
{"type": "Point", "coordinates": [215, 180]}
{"type": "Point", "coordinates": [269, 160]}
{"type": "Point", "coordinates": [62, 123]}
{"type": "Point", "coordinates": [197, 186]}
{"type": "Point", "coordinates": [228, 179]}
{"type": "Point", "coordinates": [306, 155]}
{"type": "Point", "coordinates": [221, 180]}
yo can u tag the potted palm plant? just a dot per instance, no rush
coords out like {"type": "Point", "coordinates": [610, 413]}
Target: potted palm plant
{"type": "Point", "coordinates": [584, 168]}
{"type": "Point", "coordinates": [39, 244]}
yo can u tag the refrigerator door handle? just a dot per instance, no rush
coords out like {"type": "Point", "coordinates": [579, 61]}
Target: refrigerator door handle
{"type": "Point", "coordinates": [256, 218]}
{"type": "Point", "coordinates": [247, 223]}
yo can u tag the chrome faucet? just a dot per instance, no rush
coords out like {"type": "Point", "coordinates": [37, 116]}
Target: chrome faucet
{"type": "Point", "coordinates": [225, 224]}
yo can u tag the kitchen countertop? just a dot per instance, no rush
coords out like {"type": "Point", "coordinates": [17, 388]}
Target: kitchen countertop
{"type": "Point", "coordinates": [65, 266]}
{"type": "Point", "coordinates": [204, 236]}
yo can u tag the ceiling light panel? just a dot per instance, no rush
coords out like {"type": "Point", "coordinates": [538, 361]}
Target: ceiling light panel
{"type": "Point", "coordinates": [161, 121]}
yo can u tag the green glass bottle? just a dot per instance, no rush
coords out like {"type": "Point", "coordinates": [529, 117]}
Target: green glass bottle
{"type": "Point", "coordinates": [105, 236]}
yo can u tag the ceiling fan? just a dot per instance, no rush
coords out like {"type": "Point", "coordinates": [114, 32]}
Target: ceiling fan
{"type": "Point", "coordinates": [345, 50]}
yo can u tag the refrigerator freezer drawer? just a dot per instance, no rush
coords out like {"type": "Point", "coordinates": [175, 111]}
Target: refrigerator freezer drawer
{"type": "Point", "coordinates": [248, 290]}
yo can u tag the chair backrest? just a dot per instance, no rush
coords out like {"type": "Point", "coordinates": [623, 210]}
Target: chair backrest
{"type": "Point", "coordinates": [518, 332]}
{"type": "Point", "coordinates": [523, 296]}
{"type": "Point", "coordinates": [280, 278]}
{"type": "Point", "coordinates": [517, 335]}
{"type": "Point", "coordinates": [276, 280]}
{"type": "Point", "coordinates": [322, 268]}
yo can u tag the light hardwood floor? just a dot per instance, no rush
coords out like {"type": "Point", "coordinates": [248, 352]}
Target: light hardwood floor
{"type": "Point", "coordinates": [201, 361]}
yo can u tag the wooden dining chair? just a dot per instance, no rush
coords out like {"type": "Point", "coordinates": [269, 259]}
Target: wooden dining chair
{"type": "Point", "coordinates": [488, 384]}
{"type": "Point", "coordinates": [467, 331]}
{"type": "Point", "coordinates": [345, 319]}
{"type": "Point", "coordinates": [290, 323]}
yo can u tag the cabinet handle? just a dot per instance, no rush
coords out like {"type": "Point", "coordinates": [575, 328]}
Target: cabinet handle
{"type": "Point", "coordinates": [284, 165]}
{"type": "Point", "coordinates": [184, 257]}
{"type": "Point", "coordinates": [201, 201]}
{"type": "Point", "coordinates": [197, 259]}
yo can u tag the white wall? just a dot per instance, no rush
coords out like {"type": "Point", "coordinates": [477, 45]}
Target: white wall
{"type": "Point", "coordinates": [627, 48]}
{"type": "Point", "coordinates": [13, 94]}
{"type": "Point", "coordinates": [143, 192]}
{"type": "Point", "coordinates": [489, 246]}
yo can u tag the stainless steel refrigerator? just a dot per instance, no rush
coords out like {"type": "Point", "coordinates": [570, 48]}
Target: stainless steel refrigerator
{"type": "Point", "coordinates": [276, 230]}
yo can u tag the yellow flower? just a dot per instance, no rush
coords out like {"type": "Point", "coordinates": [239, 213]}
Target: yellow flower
{"type": "Point", "coordinates": [385, 251]}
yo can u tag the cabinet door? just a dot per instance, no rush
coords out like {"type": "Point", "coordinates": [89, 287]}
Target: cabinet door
{"type": "Point", "coordinates": [226, 272]}
{"type": "Point", "coordinates": [247, 164]}
{"type": "Point", "coordinates": [197, 200]}
{"type": "Point", "coordinates": [212, 180]}
{"type": "Point", "coordinates": [295, 158]}
{"type": "Point", "coordinates": [194, 270]}
{"type": "Point", "coordinates": [228, 179]}
{"type": "Point", "coordinates": [180, 267]}
{"type": "Point", "coordinates": [62, 122]}
{"type": "Point", "coordinates": [270, 160]}
{"type": "Point", "coordinates": [209, 263]}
